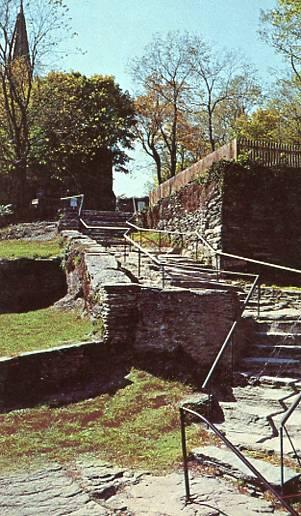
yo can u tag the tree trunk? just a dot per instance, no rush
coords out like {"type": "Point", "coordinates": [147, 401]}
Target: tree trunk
{"type": "Point", "coordinates": [20, 189]}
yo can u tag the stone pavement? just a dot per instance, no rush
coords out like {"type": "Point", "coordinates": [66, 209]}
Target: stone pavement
{"type": "Point", "coordinates": [93, 488]}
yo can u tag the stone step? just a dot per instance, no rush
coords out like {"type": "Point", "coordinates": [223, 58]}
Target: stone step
{"type": "Point", "coordinates": [288, 368]}
{"type": "Point", "coordinates": [228, 463]}
{"type": "Point", "coordinates": [198, 283]}
{"type": "Point", "coordinates": [292, 326]}
{"type": "Point", "coordinates": [282, 351]}
{"type": "Point", "coordinates": [293, 382]}
{"type": "Point", "coordinates": [107, 215]}
{"type": "Point", "coordinates": [278, 337]}
{"type": "Point", "coordinates": [104, 226]}
{"type": "Point", "coordinates": [271, 361]}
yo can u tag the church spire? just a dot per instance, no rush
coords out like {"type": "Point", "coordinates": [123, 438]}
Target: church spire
{"type": "Point", "coordinates": [20, 38]}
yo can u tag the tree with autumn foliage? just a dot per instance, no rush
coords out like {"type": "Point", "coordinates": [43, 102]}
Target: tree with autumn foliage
{"type": "Point", "coordinates": [188, 98]}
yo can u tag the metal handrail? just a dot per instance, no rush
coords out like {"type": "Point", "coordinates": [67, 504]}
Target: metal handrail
{"type": "Point", "coordinates": [283, 428]}
{"type": "Point", "coordinates": [88, 226]}
{"type": "Point", "coordinates": [234, 326]}
{"type": "Point", "coordinates": [230, 335]}
{"type": "Point", "coordinates": [228, 255]}
{"type": "Point", "coordinates": [238, 318]}
{"type": "Point", "coordinates": [215, 251]}
{"type": "Point", "coordinates": [233, 448]}
{"type": "Point", "coordinates": [82, 196]}
{"type": "Point", "coordinates": [145, 252]}
{"type": "Point", "coordinates": [258, 262]}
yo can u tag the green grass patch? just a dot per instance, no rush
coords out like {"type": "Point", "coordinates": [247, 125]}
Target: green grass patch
{"type": "Point", "coordinates": [137, 427]}
{"type": "Point", "coordinates": [154, 240]}
{"type": "Point", "coordinates": [41, 329]}
{"type": "Point", "coordinates": [30, 248]}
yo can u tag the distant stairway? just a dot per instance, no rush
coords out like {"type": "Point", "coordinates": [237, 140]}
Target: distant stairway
{"type": "Point", "coordinates": [106, 227]}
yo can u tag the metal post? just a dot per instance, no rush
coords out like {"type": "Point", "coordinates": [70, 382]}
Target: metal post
{"type": "Point", "coordinates": [184, 450]}
{"type": "Point", "coordinates": [139, 262]}
{"type": "Point", "coordinates": [258, 299]}
{"type": "Point", "coordinates": [232, 358]}
{"type": "Point", "coordinates": [159, 241]}
{"type": "Point", "coordinates": [217, 261]}
{"type": "Point", "coordinates": [163, 276]}
{"type": "Point", "coordinates": [281, 458]}
{"type": "Point", "coordinates": [196, 248]}
{"type": "Point", "coordinates": [124, 253]}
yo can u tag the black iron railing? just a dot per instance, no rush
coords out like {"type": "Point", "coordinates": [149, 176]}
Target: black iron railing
{"type": "Point", "coordinates": [283, 430]}
{"type": "Point", "coordinates": [233, 448]}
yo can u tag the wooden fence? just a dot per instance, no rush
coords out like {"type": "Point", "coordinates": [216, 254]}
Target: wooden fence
{"type": "Point", "coordinates": [269, 154]}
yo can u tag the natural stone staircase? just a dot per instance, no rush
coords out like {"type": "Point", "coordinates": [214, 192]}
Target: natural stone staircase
{"type": "Point", "coordinates": [251, 416]}
{"type": "Point", "coordinates": [108, 227]}
{"type": "Point", "coordinates": [274, 352]}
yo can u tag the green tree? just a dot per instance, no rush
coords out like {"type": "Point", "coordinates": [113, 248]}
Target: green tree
{"type": "Point", "coordinates": [163, 75]}
{"type": "Point", "coordinates": [263, 124]}
{"type": "Point", "coordinates": [76, 121]}
{"type": "Point", "coordinates": [281, 27]}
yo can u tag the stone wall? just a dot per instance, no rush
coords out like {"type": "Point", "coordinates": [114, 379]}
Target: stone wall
{"type": "Point", "coordinates": [261, 214]}
{"type": "Point", "coordinates": [254, 213]}
{"type": "Point", "coordinates": [195, 322]}
{"type": "Point", "coordinates": [59, 374]}
{"type": "Point", "coordinates": [28, 284]}
{"type": "Point", "coordinates": [137, 320]}
{"type": "Point", "coordinates": [195, 208]}
{"type": "Point", "coordinates": [144, 319]}
{"type": "Point", "coordinates": [166, 321]}
{"type": "Point", "coordinates": [228, 152]}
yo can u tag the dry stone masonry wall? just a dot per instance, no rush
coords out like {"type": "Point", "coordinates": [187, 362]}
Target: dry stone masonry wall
{"type": "Point", "coordinates": [195, 208]}
{"type": "Point", "coordinates": [254, 212]}
{"type": "Point", "coordinates": [136, 319]}
{"type": "Point", "coordinates": [147, 319]}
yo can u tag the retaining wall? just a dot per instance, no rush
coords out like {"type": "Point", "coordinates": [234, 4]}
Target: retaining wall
{"type": "Point", "coordinates": [64, 373]}
{"type": "Point", "coordinates": [146, 319]}
{"type": "Point", "coordinates": [254, 213]}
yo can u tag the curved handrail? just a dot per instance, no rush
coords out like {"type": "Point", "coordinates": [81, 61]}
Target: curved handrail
{"type": "Point", "coordinates": [234, 449]}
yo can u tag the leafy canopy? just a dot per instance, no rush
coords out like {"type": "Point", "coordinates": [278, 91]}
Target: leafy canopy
{"type": "Point", "coordinates": [74, 117]}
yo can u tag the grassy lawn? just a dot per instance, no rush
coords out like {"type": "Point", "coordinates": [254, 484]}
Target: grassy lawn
{"type": "Point", "coordinates": [137, 427]}
{"type": "Point", "coordinates": [41, 329]}
{"type": "Point", "coordinates": [30, 248]}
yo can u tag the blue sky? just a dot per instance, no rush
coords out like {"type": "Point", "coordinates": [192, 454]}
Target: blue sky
{"type": "Point", "coordinates": [111, 32]}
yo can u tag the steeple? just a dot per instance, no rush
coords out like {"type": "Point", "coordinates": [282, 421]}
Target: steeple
{"type": "Point", "coordinates": [20, 45]}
